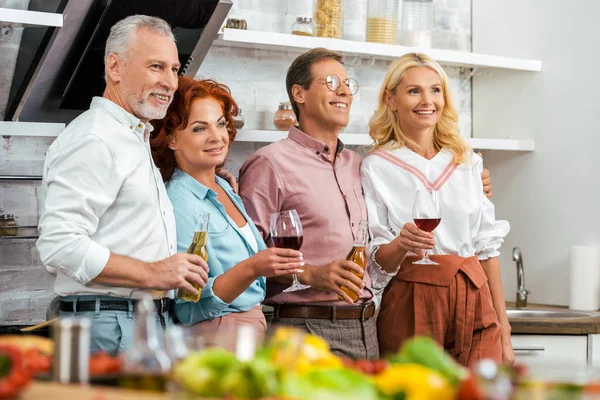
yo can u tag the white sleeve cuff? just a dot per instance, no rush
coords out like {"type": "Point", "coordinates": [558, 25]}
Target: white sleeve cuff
{"type": "Point", "coordinates": [93, 264]}
{"type": "Point", "coordinates": [379, 276]}
{"type": "Point", "coordinates": [486, 255]}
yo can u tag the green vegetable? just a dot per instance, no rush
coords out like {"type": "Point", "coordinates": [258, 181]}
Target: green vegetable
{"type": "Point", "coordinates": [5, 365]}
{"type": "Point", "coordinates": [329, 384]}
{"type": "Point", "coordinates": [201, 373]}
{"type": "Point", "coordinates": [425, 351]}
{"type": "Point", "coordinates": [251, 380]}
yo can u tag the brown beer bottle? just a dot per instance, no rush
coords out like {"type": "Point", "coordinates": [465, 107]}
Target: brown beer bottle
{"type": "Point", "coordinates": [358, 255]}
{"type": "Point", "coordinates": [197, 247]}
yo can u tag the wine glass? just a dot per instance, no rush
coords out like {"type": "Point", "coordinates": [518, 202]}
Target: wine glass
{"type": "Point", "coordinates": [427, 214]}
{"type": "Point", "coordinates": [286, 232]}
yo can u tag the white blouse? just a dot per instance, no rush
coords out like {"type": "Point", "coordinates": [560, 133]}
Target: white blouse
{"type": "Point", "coordinates": [247, 232]}
{"type": "Point", "coordinates": [390, 180]}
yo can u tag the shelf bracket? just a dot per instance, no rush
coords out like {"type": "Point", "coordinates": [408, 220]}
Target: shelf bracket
{"type": "Point", "coordinates": [465, 77]}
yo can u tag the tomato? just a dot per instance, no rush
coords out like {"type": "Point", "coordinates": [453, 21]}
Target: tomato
{"type": "Point", "coordinates": [348, 362]}
{"type": "Point", "coordinates": [364, 366]}
{"type": "Point", "coordinates": [379, 366]}
{"type": "Point", "coordinates": [101, 363]}
{"type": "Point", "coordinates": [36, 362]}
{"type": "Point", "coordinates": [13, 374]}
{"type": "Point", "coordinates": [8, 390]}
{"type": "Point", "coordinates": [469, 389]}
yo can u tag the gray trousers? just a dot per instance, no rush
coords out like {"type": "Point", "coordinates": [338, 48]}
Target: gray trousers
{"type": "Point", "coordinates": [346, 337]}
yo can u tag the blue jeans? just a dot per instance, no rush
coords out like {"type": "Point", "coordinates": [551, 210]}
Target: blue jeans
{"type": "Point", "coordinates": [112, 331]}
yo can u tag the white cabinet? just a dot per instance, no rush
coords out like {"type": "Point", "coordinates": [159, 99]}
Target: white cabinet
{"type": "Point", "coordinates": [569, 349]}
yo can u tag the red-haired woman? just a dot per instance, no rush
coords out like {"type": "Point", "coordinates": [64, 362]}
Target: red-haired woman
{"type": "Point", "coordinates": [188, 146]}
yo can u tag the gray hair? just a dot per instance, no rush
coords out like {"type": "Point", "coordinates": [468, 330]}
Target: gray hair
{"type": "Point", "coordinates": [123, 32]}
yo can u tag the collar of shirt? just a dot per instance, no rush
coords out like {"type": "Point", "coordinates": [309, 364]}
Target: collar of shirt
{"type": "Point", "coordinates": [140, 129]}
{"type": "Point", "coordinates": [318, 147]}
{"type": "Point", "coordinates": [198, 189]}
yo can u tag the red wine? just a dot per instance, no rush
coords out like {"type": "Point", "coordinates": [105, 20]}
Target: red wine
{"type": "Point", "coordinates": [427, 224]}
{"type": "Point", "coordinates": [288, 242]}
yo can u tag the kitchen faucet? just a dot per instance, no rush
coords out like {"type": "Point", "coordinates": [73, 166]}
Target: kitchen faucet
{"type": "Point", "coordinates": [521, 291]}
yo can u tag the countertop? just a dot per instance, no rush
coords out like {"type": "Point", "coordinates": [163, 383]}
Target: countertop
{"type": "Point", "coordinates": [553, 326]}
{"type": "Point", "coordinates": [55, 391]}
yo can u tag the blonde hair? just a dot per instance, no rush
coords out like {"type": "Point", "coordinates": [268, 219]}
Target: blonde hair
{"type": "Point", "coordinates": [384, 127]}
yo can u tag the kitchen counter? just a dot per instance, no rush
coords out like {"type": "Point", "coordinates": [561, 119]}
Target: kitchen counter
{"type": "Point", "coordinates": [553, 326]}
{"type": "Point", "coordinates": [55, 391]}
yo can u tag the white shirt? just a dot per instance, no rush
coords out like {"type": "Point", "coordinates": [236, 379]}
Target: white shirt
{"type": "Point", "coordinates": [247, 232]}
{"type": "Point", "coordinates": [103, 194]}
{"type": "Point", "coordinates": [468, 226]}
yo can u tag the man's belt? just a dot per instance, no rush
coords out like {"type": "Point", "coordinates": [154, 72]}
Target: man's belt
{"type": "Point", "coordinates": [162, 305]}
{"type": "Point", "coordinates": [361, 312]}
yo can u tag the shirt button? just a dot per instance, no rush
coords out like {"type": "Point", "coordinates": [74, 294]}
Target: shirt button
{"type": "Point", "coordinates": [318, 152]}
{"type": "Point", "coordinates": [131, 127]}
{"type": "Point", "coordinates": [171, 246]}
{"type": "Point", "coordinates": [326, 149]}
{"type": "Point", "coordinates": [140, 126]}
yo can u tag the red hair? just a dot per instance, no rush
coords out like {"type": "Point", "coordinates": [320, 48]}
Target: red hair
{"type": "Point", "coordinates": [178, 115]}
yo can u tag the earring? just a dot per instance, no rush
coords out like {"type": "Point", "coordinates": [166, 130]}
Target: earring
{"type": "Point", "coordinates": [393, 109]}
{"type": "Point", "coordinates": [171, 147]}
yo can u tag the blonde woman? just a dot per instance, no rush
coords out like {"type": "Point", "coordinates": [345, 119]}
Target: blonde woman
{"type": "Point", "coordinates": [460, 301]}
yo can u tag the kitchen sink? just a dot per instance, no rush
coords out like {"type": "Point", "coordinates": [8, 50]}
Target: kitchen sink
{"type": "Point", "coordinates": [549, 313]}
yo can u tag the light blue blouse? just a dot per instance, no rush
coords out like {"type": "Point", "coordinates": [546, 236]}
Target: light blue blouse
{"type": "Point", "coordinates": [226, 246]}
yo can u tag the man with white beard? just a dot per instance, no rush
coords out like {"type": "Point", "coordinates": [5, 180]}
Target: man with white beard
{"type": "Point", "coordinates": [107, 228]}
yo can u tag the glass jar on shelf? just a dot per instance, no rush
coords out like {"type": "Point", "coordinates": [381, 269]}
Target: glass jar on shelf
{"type": "Point", "coordinates": [382, 21]}
{"type": "Point", "coordinates": [304, 26]}
{"type": "Point", "coordinates": [355, 16]}
{"type": "Point", "coordinates": [328, 18]}
{"type": "Point", "coordinates": [417, 23]}
{"type": "Point", "coordinates": [285, 117]}
{"type": "Point", "coordinates": [8, 225]}
{"type": "Point", "coordinates": [239, 119]}
{"type": "Point", "coordinates": [236, 23]}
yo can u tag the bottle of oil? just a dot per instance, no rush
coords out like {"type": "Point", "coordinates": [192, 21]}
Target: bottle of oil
{"type": "Point", "coordinates": [146, 364]}
{"type": "Point", "coordinates": [197, 247]}
{"type": "Point", "coordinates": [358, 254]}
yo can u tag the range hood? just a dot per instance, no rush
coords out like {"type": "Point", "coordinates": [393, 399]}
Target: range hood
{"type": "Point", "coordinates": [59, 70]}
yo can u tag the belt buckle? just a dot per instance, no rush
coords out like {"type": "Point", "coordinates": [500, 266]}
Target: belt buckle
{"type": "Point", "coordinates": [363, 313]}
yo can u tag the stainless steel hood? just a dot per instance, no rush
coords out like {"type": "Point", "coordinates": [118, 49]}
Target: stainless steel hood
{"type": "Point", "coordinates": [59, 70]}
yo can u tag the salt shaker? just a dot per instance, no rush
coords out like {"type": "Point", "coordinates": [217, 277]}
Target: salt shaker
{"type": "Point", "coordinates": [71, 360]}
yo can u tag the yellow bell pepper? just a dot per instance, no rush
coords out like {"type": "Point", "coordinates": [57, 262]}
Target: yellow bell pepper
{"type": "Point", "coordinates": [302, 352]}
{"type": "Point", "coordinates": [415, 381]}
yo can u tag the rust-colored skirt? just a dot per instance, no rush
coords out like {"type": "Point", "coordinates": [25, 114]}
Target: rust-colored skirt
{"type": "Point", "coordinates": [450, 302]}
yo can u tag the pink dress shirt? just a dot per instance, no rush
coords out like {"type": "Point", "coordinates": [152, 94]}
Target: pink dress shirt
{"type": "Point", "coordinates": [298, 173]}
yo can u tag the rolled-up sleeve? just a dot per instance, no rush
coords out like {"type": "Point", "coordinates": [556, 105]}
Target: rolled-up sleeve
{"type": "Point", "coordinates": [491, 233]}
{"type": "Point", "coordinates": [380, 231]}
{"type": "Point", "coordinates": [81, 182]}
{"type": "Point", "coordinates": [262, 190]}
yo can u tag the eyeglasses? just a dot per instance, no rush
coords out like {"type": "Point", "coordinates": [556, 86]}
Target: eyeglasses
{"type": "Point", "coordinates": [333, 83]}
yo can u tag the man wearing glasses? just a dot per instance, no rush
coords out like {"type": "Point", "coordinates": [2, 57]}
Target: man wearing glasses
{"type": "Point", "coordinates": [311, 171]}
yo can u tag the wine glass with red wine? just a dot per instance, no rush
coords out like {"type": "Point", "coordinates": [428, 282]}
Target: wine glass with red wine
{"type": "Point", "coordinates": [427, 214]}
{"type": "Point", "coordinates": [286, 232]}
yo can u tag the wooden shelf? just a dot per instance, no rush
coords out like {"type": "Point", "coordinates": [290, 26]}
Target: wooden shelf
{"type": "Point", "coordinates": [363, 139]}
{"type": "Point", "coordinates": [288, 42]}
{"type": "Point", "coordinates": [30, 18]}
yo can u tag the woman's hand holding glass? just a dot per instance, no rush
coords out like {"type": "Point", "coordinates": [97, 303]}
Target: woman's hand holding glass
{"type": "Point", "coordinates": [414, 240]}
{"type": "Point", "coordinates": [277, 261]}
